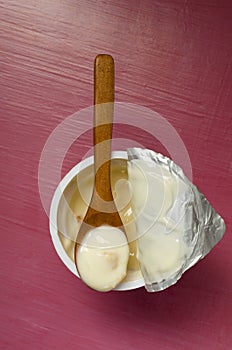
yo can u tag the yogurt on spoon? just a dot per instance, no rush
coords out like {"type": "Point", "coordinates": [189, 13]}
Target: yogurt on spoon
{"type": "Point", "coordinates": [102, 258]}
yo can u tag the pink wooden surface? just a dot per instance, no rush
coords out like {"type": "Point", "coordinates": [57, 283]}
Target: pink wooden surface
{"type": "Point", "coordinates": [171, 56]}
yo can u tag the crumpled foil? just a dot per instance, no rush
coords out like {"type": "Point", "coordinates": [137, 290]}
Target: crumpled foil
{"type": "Point", "coordinates": [203, 227]}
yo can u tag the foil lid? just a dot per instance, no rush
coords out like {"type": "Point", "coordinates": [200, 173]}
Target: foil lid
{"type": "Point", "coordinates": [176, 225]}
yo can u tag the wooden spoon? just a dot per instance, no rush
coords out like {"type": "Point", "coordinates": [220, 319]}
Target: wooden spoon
{"type": "Point", "coordinates": [102, 209]}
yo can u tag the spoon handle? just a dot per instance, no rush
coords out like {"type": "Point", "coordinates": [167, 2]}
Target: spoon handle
{"type": "Point", "coordinates": [103, 123]}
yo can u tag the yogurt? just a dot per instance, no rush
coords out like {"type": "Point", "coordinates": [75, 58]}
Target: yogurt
{"type": "Point", "coordinates": [154, 220]}
{"type": "Point", "coordinates": [102, 258]}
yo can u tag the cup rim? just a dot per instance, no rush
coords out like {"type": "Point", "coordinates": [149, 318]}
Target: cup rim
{"type": "Point", "coordinates": [123, 286]}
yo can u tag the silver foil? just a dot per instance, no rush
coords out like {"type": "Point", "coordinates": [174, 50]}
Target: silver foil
{"type": "Point", "coordinates": [204, 227]}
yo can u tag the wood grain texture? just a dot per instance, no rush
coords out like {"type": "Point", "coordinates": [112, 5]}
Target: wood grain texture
{"type": "Point", "coordinates": [171, 56]}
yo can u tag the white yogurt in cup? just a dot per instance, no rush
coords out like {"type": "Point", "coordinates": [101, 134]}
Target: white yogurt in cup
{"type": "Point", "coordinates": [156, 241]}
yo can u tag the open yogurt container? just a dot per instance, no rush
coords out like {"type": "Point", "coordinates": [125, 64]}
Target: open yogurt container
{"type": "Point", "coordinates": [74, 191]}
{"type": "Point", "coordinates": [174, 228]}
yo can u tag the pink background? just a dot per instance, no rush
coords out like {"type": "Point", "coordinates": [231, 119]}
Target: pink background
{"type": "Point", "coordinates": [171, 56]}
